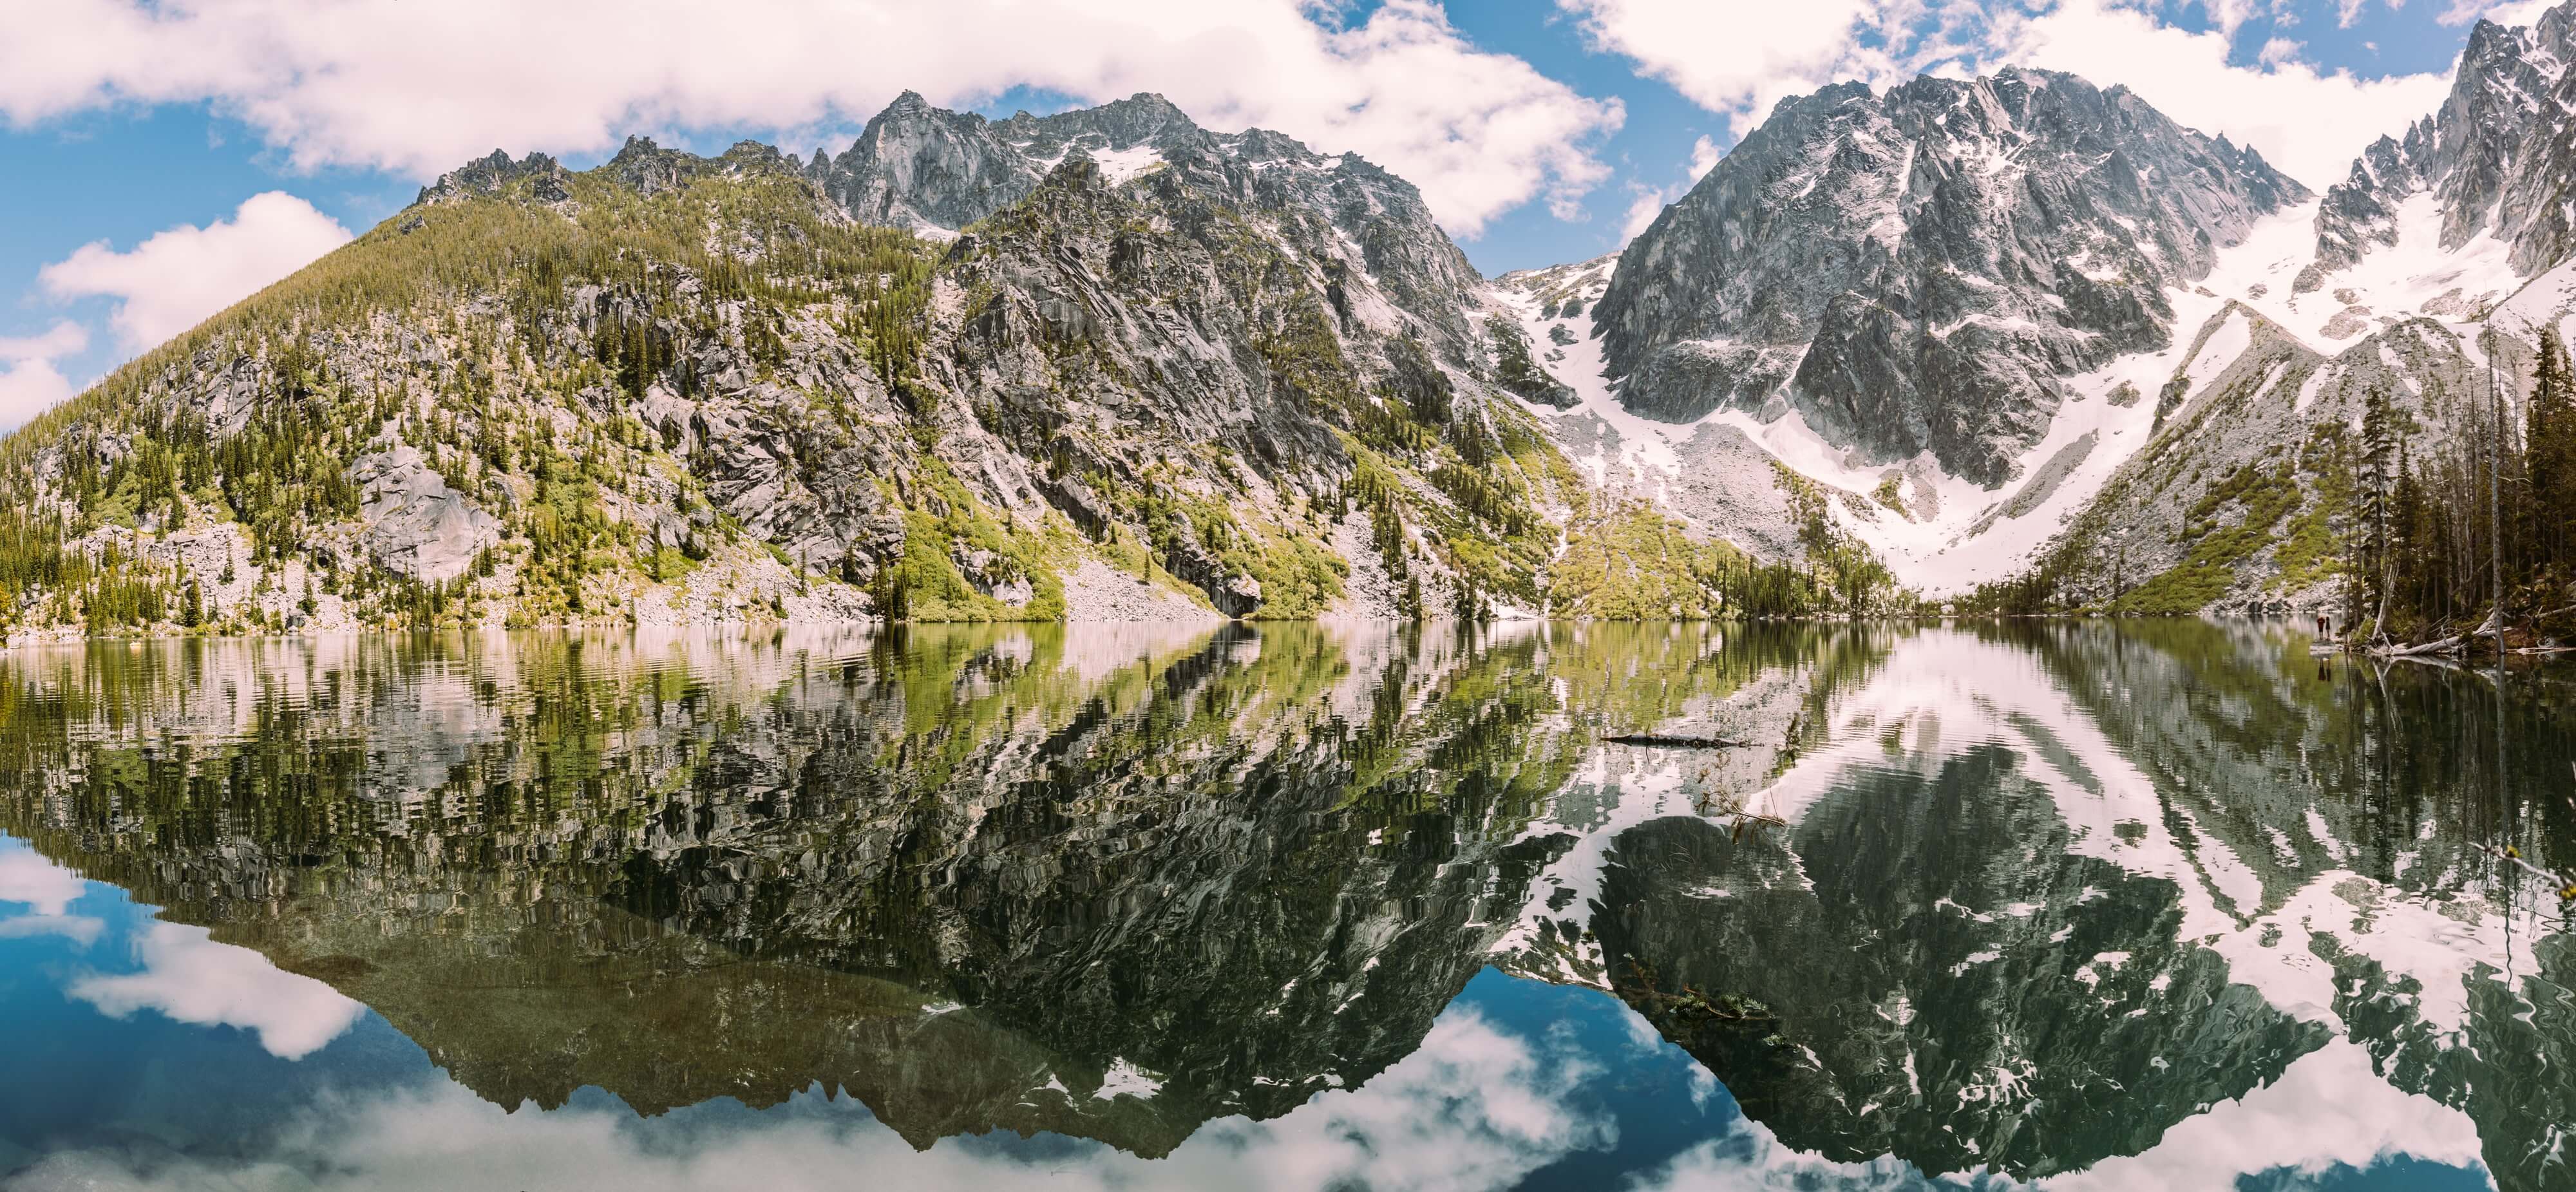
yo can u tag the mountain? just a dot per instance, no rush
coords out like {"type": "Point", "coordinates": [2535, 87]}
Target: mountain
{"type": "Point", "coordinates": [1111, 883]}
{"type": "Point", "coordinates": [1101, 364]}
{"type": "Point", "coordinates": [2423, 286]}
{"type": "Point", "coordinates": [1107, 364]}
{"type": "Point", "coordinates": [2488, 162]}
{"type": "Point", "coordinates": [1917, 326]}
{"type": "Point", "coordinates": [2152, 889]}
{"type": "Point", "coordinates": [1918, 271]}
{"type": "Point", "coordinates": [2030, 344]}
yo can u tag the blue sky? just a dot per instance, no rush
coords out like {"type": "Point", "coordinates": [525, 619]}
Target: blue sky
{"type": "Point", "coordinates": [1540, 130]}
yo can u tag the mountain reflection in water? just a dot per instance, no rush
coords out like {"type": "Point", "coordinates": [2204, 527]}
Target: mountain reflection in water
{"type": "Point", "coordinates": [2125, 906]}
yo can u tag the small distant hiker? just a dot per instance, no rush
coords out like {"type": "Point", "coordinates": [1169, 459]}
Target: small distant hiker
{"type": "Point", "coordinates": [2322, 628]}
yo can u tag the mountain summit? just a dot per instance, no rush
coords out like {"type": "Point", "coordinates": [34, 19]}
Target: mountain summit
{"type": "Point", "coordinates": [1103, 363]}
{"type": "Point", "coordinates": [1108, 364]}
{"type": "Point", "coordinates": [1917, 271]}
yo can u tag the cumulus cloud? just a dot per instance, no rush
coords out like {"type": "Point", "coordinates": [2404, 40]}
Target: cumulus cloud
{"type": "Point", "coordinates": [2309, 122]}
{"type": "Point", "coordinates": [1650, 201]}
{"type": "Point", "coordinates": [2228, 15]}
{"type": "Point", "coordinates": [1737, 57]}
{"type": "Point", "coordinates": [172, 281]}
{"type": "Point", "coordinates": [420, 88]}
{"type": "Point", "coordinates": [1749, 1158]}
{"type": "Point", "coordinates": [30, 384]}
{"type": "Point", "coordinates": [81, 930]}
{"type": "Point", "coordinates": [1474, 1108]}
{"type": "Point", "coordinates": [2510, 12]}
{"type": "Point", "coordinates": [26, 876]}
{"type": "Point", "coordinates": [189, 977]}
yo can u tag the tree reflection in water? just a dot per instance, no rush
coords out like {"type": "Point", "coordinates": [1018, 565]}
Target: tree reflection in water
{"type": "Point", "coordinates": [2071, 903]}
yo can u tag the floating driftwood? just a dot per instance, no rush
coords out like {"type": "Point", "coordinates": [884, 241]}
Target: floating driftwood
{"type": "Point", "coordinates": [1669, 741]}
{"type": "Point", "coordinates": [2447, 645]}
{"type": "Point", "coordinates": [2565, 885]}
{"type": "Point", "coordinates": [2457, 643]}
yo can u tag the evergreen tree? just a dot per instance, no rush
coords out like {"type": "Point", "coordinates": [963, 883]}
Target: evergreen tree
{"type": "Point", "coordinates": [2549, 446]}
{"type": "Point", "coordinates": [2410, 541]}
{"type": "Point", "coordinates": [2380, 452]}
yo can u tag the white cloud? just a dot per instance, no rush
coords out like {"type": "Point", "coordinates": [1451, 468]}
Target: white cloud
{"type": "Point", "coordinates": [1750, 1157]}
{"type": "Point", "coordinates": [174, 280]}
{"type": "Point", "coordinates": [2327, 1109]}
{"type": "Point", "coordinates": [2310, 124]}
{"type": "Point", "coordinates": [1704, 155]}
{"type": "Point", "coordinates": [1650, 201]}
{"type": "Point", "coordinates": [2228, 15]}
{"type": "Point", "coordinates": [2508, 13]}
{"type": "Point", "coordinates": [1473, 1108]}
{"type": "Point", "coordinates": [189, 977]}
{"type": "Point", "coordinates": [81, 930]}
{"type": "Point", "coordinates": [1739, 58]}
{"type": "Point", "coordinates": [2461, 12]}
{"type": "Point", "coordinates": [30, 384]}
{"type": "Point", "coordinates": [25, 875]}
{"type": "Point", "coordinates": [420, 88]}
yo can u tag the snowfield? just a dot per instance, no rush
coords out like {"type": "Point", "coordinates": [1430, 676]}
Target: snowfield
{"type": "Point", "coordinates": [1944, 534]}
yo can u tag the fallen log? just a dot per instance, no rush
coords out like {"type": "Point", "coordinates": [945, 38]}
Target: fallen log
{"type": "Point", "coordinates": [2565, 885]}
{"type": "Point", "coordinates": [1669, 741]}
{"type": "Point", "coordinates": [2444, 646]}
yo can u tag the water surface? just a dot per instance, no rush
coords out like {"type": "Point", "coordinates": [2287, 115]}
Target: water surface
{"type": "Point", "coordinates": [2167, 905]}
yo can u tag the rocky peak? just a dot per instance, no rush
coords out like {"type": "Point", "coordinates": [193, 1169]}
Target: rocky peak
{"type": "Point", "coordinates": [491, 175]}
{"type": "Point", "coordinates": [649, 168]}
{"type": "Point", "coordinates": [641, 165]}
{"type": "Point", "coordinates": [1142, 118]}
{"type": "Point", "coordinates": [936, 171]}
{"type": "Point", "coordinates": [2490, 157]}
{"type": "Point", "coordinates": [1916, 271]}
{"type": "Point", "coordinates": [922, 167]}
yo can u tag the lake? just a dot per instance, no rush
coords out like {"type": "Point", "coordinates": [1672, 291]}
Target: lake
{"type": "Point", "coordinates": [2157, 905]}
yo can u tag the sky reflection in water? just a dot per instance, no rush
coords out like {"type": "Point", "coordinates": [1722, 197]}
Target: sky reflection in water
{"type": "Point", "coordinates": [2087, 908]}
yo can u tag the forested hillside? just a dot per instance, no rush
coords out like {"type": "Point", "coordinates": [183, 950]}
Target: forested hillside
{"type": "Point", "coordinates": [1194, 375]}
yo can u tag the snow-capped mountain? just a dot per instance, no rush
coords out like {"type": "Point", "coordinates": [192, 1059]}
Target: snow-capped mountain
{"type": "Point", "coordinates": [1108, 363]}
{"type": "Point", "coordinates": [2023, 323]}
{"type": "Point", "coordinates": [2491, 161]}
{"type": "Point", "coordinates": [1915, 271]}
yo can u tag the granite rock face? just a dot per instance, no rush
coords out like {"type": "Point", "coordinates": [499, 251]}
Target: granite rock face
{"type": "Point", "coordinates": [417, 525]}
{"type": "Point", "coordinates": [1915, 271]}
{"type": "Point", "coordinates": [2492, 159]}
{"type": "Point", "coordinates": [489, 175]}
{"type": "Point", "coordinates": [966, 356]}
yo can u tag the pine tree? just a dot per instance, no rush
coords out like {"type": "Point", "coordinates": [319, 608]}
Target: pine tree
{"type": "Point", "coordinates": [2406, 546]}
{"type": "Point", "coordinates": [2380, 469]}
{"type": "Point", "coordinates": [2549, 447]}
